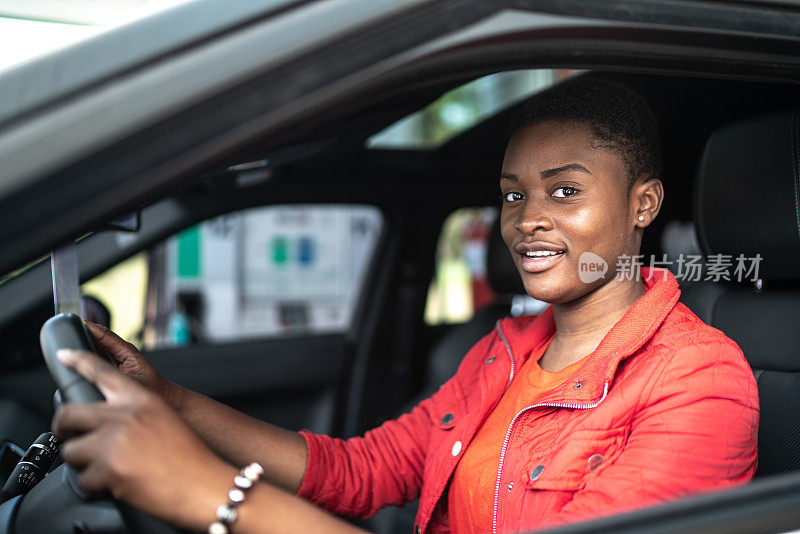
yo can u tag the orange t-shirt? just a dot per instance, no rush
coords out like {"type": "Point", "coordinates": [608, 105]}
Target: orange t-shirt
{"type": "Point", "coordinates": [471, 493]}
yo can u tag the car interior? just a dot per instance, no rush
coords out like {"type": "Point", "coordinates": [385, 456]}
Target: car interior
{"type": "Point", "coordinates": [730, 155]}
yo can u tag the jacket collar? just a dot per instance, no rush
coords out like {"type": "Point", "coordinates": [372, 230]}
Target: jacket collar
{"type": "Point", "coordinates": [633, 330]}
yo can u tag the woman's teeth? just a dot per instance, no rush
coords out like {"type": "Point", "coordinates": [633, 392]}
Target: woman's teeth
{"type": "Point", "coordinates": [542, 253]}
{"type": "Point", "coordinates": [537, 261]}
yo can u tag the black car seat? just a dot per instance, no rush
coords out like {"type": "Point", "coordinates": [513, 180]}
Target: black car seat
{"type": "Point", "coordinates": [747, 201]}
{"type": "Point", "coordinates": [450, 350]}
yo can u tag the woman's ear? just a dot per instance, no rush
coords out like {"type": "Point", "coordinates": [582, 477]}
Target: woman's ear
{"type": "Point", "coordinates": [646, 197]}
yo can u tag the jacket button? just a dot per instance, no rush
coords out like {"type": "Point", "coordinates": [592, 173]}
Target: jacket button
{"type": "Point", "coordinates": [510, 486]}
{"type": "Point", "coordinates": [456, 448]}
{"type": "Point", "coordinates": [490, 360]}
{"type": "Point", "coordinates": [536, 472]}
{"type": "Point", "coordinates": [578, 385]}
{"type": "Point", "coordinates": [447, 419]}
{"type": "Point", "coordinates": [594, 462]}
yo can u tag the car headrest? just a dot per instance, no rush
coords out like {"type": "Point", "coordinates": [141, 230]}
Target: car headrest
{"type": "Point", "coordinates": [747, 193]}
{"type": "Point", "coordinates": [500, 269]}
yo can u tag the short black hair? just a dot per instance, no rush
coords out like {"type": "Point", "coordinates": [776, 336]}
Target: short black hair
{"type": "Point", "coordinates": [620, 118]}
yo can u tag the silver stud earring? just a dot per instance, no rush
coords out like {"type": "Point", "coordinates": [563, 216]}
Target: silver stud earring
{"type": "Point", "coordinates": [641, 218]}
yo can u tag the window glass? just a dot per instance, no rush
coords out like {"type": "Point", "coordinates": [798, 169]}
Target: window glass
{"type": "Point", "coordinates": [463, 107]}
{"type": "Point", "coordinates": [121, 291]}
{"type": "Point", "coordinates": [459, 285]}
{"type": "Point", "coordinates": [263, 272]}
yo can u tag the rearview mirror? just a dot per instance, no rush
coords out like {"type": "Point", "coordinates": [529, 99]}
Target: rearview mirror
{"type": "Point", "coordinates": [130, 222]}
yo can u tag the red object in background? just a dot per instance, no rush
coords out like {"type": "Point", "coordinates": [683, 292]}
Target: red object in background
{"type": "Point", "coordinates": [482, 293]}
{"type": "Point", "coordinates": [476, 235]}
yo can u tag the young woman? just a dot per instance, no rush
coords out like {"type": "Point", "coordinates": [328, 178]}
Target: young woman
{"type": "Point", "coordinates": [615, 397]}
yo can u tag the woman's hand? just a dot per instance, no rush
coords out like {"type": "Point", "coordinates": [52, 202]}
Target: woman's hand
{"type": "Point", "coordinates": [137, 448]}
{"type": "Point", "coordinates": [132, 363]}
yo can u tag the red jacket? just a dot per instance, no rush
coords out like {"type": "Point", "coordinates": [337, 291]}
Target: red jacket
{"type": "Point", "coordinates": [666, 406]}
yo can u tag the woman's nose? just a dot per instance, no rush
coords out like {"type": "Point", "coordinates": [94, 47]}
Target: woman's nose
{"type": "Point", "coordinates": [532, 218]}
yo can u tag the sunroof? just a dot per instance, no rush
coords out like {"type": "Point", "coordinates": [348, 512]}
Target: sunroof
{"type": "Point", "coordinates": [463, 107]}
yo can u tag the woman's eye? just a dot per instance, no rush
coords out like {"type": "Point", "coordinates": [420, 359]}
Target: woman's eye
{"type": "Point", "coordinates": [564, 192]}
{"type": "Point", "coordinates": [511, 197]}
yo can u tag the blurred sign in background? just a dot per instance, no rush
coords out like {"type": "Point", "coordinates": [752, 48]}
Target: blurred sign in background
{"type": "Point", "coordinates": [262, 272]}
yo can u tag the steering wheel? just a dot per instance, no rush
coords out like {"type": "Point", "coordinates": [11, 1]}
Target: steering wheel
{"type": "Point", "coordinates": [58, 504]}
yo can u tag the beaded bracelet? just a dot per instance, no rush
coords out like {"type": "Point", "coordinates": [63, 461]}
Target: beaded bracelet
{"type": "Point", "coordinates": [228, 513]}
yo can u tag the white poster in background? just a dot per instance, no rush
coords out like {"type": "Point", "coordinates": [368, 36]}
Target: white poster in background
{"type": "Point", "coordinates": [219, 258]}
{"type": "Point", "coordinates": [317, 271]}
{"type": "Point", "coordinates": [245, 281]}
{"type": "Point", "coordinates": [325, 251]}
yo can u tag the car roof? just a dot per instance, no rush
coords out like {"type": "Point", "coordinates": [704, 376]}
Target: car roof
{"type": "Point", "coordinates": [30, 85]}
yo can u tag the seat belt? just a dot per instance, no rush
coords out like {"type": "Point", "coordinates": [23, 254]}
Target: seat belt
{"type": "Point", "coordinates": [66, 287]}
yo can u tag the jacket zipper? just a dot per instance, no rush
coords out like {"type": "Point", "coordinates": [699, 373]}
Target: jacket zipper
{"type": "Point", "coordinates": [574, 406]}
{"type": "Point", "coordinates": [508, 438]}
{"type": "Point", "coordinates": [510, 355]}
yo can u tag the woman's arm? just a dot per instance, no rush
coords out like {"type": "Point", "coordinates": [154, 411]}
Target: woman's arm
{"type": "Point", "coordinates": [354, 478]}
{"type": "Point", "coordinates": [237, 438]}
{"type": "Point", "coordinates": [140, 450]}
{"type": "Point", "coordinates": [241, 439]}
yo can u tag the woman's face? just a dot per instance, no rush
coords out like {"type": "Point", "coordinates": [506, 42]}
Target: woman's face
{"type": "Point", "coordinates": [565, 207]}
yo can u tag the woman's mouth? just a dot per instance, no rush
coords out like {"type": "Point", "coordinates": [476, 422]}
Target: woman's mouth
{"type": "Point", "coordinates": [537, 261]}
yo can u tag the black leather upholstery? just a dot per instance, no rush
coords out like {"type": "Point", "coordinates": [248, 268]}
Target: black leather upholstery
{"type": "Point", "coordinates": [451, 349]}
{"type": "Point", "coordinates": [748, 202]}
{"type": "Point", "coordinates": [747, 195]}
{"type": "Point", "coordinates": [765, 325]}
